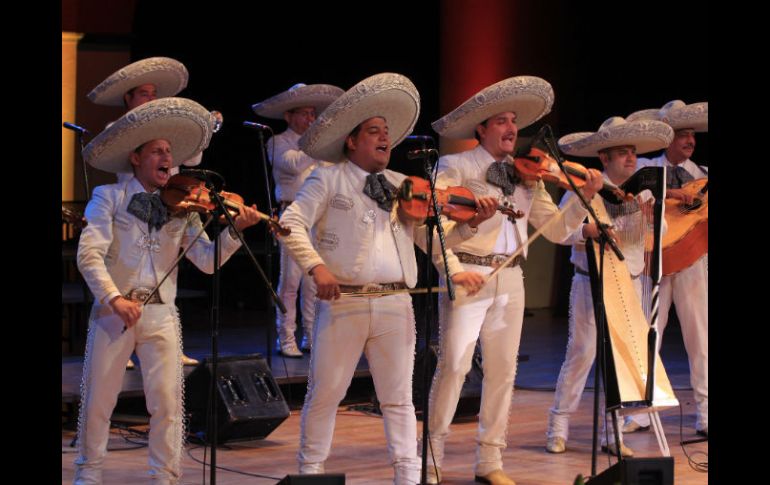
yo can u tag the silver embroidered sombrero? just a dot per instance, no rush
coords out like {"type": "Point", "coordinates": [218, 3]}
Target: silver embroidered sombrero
{"type": "Point", "coordinates": [168, 75]}
{"type": "Point", "coordinates": [185, 124]}
{"type": "Point", "coordinates": [677, 115]}
{"type": "Point", "coordinates": [389, 95]}
{"type": "Point", "coordinates": [645, 135]}
{"type": "Point", "coordinates": [318, 96]}
{"type": "Point", "coordinates": [529, 97]}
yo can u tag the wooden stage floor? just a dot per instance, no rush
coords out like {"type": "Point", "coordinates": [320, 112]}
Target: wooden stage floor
{"type": "Point", "coordinates": [359, 448]}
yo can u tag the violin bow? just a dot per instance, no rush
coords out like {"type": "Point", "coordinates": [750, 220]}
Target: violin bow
{"type": "Point", "coordinates": [531, 238]}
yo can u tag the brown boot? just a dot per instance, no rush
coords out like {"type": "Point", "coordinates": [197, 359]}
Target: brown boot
{"type": "Point", "coordinates": [495, 477]}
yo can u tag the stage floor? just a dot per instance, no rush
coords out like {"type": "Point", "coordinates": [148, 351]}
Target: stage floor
{"type": "Point", "coordinates": [359, 445]}
{"type": "Point", "coordinates": [358, 449]}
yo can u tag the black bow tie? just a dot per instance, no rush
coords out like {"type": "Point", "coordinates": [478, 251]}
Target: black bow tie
{"type": "Point", "coordinates": [383, 192]}
{"type": "Point", "coordinates": [149, 208]}
{"type": "Point", "coordinates": [503, 174]}
{"type": "Point", "coordinates": [677, 177]}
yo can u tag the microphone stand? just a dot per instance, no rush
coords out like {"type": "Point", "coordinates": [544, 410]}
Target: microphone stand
{"type": "Point", "coordinates": [85, 169]}
{"type": "Point", "coordinates": [269, 250]}
{"type": "Point", "coordinates": [222, 210]}
{"type": "Point", "coordinates": [431, 222]}
{"type": "Point", "coordinates": [79, 131]}
{"type": "Point", "coordinates": [597, 279]}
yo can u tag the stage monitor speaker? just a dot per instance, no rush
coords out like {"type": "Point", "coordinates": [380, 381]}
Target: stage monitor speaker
{"type": "Point", "coordinates": [637, 471]}
{"type": "Point", "coordinates": [249, 401]}
{"type": "Point", "coordinates": [322, 479]}
{"type": "Point", "coordinates": [470, 394]}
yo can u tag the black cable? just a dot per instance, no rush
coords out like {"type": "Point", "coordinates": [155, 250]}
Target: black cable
{"type": "Point", "coordinates": [227, 469]}
{"type": "Point", "coordinates": [123, 432]}
{"type": "Point", "coordinates": [698, 466]}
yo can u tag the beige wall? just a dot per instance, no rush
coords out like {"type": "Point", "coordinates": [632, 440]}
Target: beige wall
{"type": "Point", "coordinates": [93, 66]}
{"type": "Point", "coordinates": [69, 58]}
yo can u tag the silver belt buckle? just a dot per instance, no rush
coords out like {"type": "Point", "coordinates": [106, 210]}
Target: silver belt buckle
{"type": "Point", "coordinates": [141, 294]}
{"type": "Point", "coordinates": [372, 287]}
{"type": "Point", "coordinates": [498, 260]}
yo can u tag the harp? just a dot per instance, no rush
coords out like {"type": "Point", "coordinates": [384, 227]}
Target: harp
{"type": "Point", "coordinates": [626, 301]}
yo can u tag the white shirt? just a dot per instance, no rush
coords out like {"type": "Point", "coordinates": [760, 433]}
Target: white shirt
{"type": "Point", "coordinates": [662, 161]}
{"type": "Point", "coordinates": [291, 166]}
{"type": "Point", "coordinates": [384, 265]}
{"type": "Point", "coordinates": [632, 247]}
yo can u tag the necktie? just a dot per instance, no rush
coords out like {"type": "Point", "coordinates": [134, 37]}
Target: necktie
{"type": "Point", "coordinates": [503, 175]}
{"type": "Point", "coordinates": [677, 177]}
{"type": "Point", "coordinates": [149, 208]}
{"type": "Point", "coordinates": [380, 190]}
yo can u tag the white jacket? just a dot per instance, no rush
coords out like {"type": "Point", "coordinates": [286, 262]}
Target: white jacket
{"type": "Point", "coordinates": [330, 204]}
{"type": "Point", "coordinates": [114, 244]}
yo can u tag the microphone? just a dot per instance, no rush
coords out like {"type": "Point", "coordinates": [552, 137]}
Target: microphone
{"type": "Point", "coordinates": [420, 138]}
{"type": "Point", "coordinates": [540, 136]}
{"type": "Point", "coordinates": [74, 127]}
{"type": "Point", "coordinates": [201, 173]}
{"type": "Point", "coordinates": [218, 120]}
{"type": "Point", "coordinates": [421, 153]}
{"type": "Point", "coordinates": [256, 126]}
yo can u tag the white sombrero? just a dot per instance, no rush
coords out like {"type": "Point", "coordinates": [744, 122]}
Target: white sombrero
{"type": "Point", "coordinates": [677, 115]}
{"type": "Point", "coordinates": [185, 124]}
{"type": "Point", "coordinates": [168, 75]}
{"type": "Point", "coordinates": [389, 95]}
{"type": "Point", "coordinates": [645, 135]}
{"type": "Point", "coordinates": [529, 97]}
{"type": "Point", "coordinates": [300, 95]}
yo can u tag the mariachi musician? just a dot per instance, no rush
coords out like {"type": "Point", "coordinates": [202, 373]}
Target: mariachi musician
{"type": "Point", "coordinates": [687, 288]}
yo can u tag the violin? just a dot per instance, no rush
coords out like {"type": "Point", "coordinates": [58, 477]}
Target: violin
{"type": "Point", "coordinates": [538, 165]}
{"type": "Point", "coordinates": [72, 217]}
{"type": "Point", "coordinates": [456, 203]}
{"type": "Point", "coordinates": [183, 194]}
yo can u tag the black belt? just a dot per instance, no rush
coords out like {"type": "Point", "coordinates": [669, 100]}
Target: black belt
{"type": "Point", "coordinates": [492, 260]}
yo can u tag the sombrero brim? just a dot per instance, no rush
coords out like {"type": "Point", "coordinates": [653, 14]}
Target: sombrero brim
{"type": "Point", "coordinates": [645, 135]}
{"type": "Point", "coordinates": [185, 124]}
{"type": "Point", "coordinates": [529, 97]}
{"type": "Point", "coordinates": [168, 75]}
{"type": "Point", "coordinates": [692, 116]}
{"type": "Point", "coordinates": [388, 95]}
{"type": "Point", "coordinates": [319, 96]}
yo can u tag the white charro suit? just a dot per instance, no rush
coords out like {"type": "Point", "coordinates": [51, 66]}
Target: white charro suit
{"type": "Point", "coordinates": [334, 223]}
{"type": "Point", "coordinates": [291, 166]}
{"type": "Point", "coordinates": [495, 314]}
{"type": "Point", "coordinates": [581, 345]}
{"type": "Point", "coordinates": [689, 291]}
{"type": "Point", "coordinates": [117, 253]}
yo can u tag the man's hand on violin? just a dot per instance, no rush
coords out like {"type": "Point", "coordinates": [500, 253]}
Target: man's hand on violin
{"type": "Point", "coordinates": [485, 208]}
{"type": "Point", "coordinates": [594, 183]}
{"type": "Point", "coordinates": [128, 310]}
{"type": "Point", "coordinates": [680, 194]}
{"type": "Point", "coordinates": [327, 286]}
{"type": "Point", "coordinates": [470, 280]}
{"type": "Point", "coordinates": [247, 217]}
{"type": "Point", "coordinates": [590, 231]}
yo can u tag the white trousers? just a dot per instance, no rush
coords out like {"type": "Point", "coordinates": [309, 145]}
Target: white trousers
{"type": "Point", "coordinates": [289, 282]}
{"type": "Point", "coordinates": [157, 341]}
{"type": "Point", "coordinates": [581, 353]}
{"type": "Point", "coordinates": [494, 315]}
{"type": "Point", "coordinates": [689, 291]}
{"type": "Point", "coordinates": [384, 330]}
